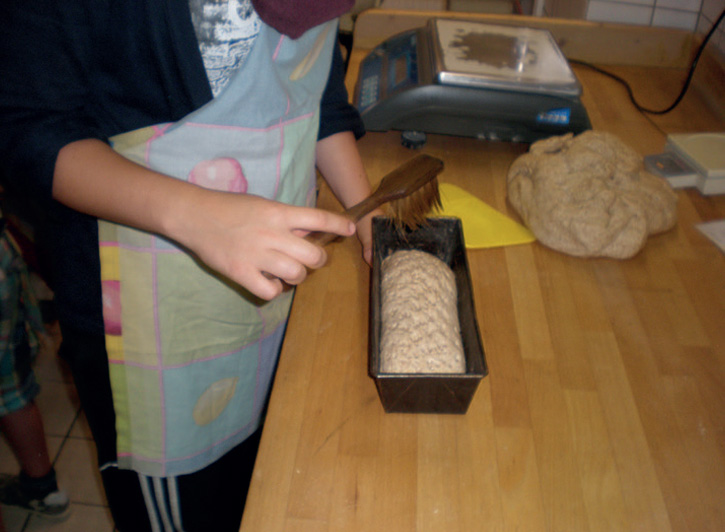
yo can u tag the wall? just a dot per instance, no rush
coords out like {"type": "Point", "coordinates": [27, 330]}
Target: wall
{"type": "Point", "coordinates": [473, 6]}
{"type": "Point", "coordinates": [711, 9]}
{"type": "Point", "coordinates": [691, 15]}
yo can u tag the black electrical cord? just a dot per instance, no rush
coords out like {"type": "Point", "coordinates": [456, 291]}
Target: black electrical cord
{"type": "Point", "coordinates": [685, 87]}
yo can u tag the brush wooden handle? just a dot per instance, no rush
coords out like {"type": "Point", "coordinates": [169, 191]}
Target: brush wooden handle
{"type": "Point", "coordinates": [321, 239]}
{"type": "Point", "coordinates": [355, 213]}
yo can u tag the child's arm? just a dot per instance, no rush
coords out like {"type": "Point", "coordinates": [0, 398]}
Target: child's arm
{"type": "Point", "coordinates": [241, 236]}
{"type": "Point", "coordinates": [340, 164]}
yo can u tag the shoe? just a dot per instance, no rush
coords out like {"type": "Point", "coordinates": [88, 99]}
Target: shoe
{"type": "Point", "coordinates": [53, 505]}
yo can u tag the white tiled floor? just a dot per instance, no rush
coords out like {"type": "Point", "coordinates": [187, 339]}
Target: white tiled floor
{"type": "Point", "coordinates": [72, 450]}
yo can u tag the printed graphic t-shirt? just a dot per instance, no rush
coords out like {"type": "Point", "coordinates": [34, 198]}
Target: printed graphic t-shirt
{"type": "Point", "coordinates": [226, 30]}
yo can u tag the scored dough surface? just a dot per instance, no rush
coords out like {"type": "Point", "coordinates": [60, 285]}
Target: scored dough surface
{"type": "Point", "coordinates": [420, 327]}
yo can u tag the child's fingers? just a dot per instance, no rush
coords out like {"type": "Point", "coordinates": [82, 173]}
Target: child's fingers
{"type": "Point", "coordinates": [264, 286]}
{"type": "Point", "coordinates": [309, 220]}
{"type": "Point", "coordinates": [259, 243]}
{"type": "Point", "coordinates": [291, 270]}
{"type": "Point", "coordinates": [276, 269]}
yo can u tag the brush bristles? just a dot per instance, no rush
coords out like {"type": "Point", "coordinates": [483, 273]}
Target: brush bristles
{"type": "Point", "coordinates": [412, 210]}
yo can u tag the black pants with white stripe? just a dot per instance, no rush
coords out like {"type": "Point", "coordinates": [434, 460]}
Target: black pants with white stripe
{"type": "Point", "coordinates": [211, 499]}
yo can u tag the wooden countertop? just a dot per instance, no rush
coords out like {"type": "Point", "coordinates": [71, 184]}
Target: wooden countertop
{"type": "Point", "coordinates": [604, 408]}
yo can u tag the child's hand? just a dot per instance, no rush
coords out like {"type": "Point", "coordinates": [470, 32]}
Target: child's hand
{"type": "Point", "coordinates": [256, 242]}
{"type": "Point", "coordinates": [365, 235]}
{"type": "Point", "coordinates": [340, 164]}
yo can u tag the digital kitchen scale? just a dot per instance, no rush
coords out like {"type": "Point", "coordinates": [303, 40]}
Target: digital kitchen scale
{"type": "Point", "coordinates": [470, 79]}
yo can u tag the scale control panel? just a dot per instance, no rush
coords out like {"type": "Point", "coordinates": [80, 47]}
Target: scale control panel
{"type": "Point", "coordinates": [389, 68]}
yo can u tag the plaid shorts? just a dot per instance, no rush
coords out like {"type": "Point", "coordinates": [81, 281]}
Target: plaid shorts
{"type": "Point", "coordinates": [19, 319]}
{"type": "Point", "coordinates": [18, 385]}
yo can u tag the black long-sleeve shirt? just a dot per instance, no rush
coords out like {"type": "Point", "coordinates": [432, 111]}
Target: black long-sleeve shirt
{"type": "Point", "coordinates": [92, 69]}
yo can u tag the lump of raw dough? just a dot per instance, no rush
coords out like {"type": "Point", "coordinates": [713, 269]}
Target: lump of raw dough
{"type": "Point", "coordinates": [589, 196]}
{"type": "Point", "coordinates": [420, 327]}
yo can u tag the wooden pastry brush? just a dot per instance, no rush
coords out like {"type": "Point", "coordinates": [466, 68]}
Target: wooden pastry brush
{"type": "Point", "coordinates": [411, 190]}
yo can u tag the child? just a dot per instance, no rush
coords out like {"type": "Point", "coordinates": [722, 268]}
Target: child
{"type": "Point", "coordinates": [192, 128]}
{"type": "Point", "coordinates": [21, 328]}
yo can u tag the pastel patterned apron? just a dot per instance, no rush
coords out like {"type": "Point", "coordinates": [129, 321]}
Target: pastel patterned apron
{"type": "Point", "coordinates": [191, 355]}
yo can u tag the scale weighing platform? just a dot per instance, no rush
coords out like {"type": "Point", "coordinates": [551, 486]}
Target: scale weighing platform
{"type": "Point", "coordinates": [470, 79]}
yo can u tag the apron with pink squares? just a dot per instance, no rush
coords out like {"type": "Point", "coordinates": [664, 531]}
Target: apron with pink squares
{"type": "Point", "coordinates": [191, 355]}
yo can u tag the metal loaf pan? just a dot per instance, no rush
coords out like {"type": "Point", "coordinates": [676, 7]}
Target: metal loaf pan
{"type": "Point", "coordinates": [417, 392]}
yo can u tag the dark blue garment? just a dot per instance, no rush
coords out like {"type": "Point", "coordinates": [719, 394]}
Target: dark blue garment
{"type": "Point", "coordinates": [92, 69]}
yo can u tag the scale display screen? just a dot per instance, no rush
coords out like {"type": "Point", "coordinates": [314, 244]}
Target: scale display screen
{"type": "Point", "coordinates": [393, 69]}
{"type": "Point", "coordinates": [401, 70]}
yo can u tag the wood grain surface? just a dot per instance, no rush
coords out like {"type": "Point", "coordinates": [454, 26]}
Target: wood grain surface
{"type": "Point", "coordinates": [604, 409]}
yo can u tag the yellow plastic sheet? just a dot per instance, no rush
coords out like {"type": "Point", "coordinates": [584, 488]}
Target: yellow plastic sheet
{"type": "Point", "coordinates": [483, 226]}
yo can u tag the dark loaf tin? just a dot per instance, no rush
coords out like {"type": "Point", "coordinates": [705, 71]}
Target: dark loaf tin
{"type": "Point", "coordinates": [433, 393]}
